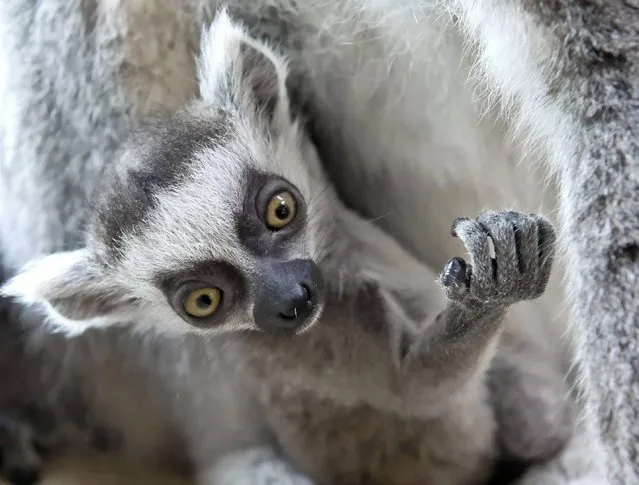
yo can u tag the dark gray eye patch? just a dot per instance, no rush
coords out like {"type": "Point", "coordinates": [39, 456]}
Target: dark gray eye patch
{"type": "Point", "coordinates": [219, 274]}
{"type": "Point", "coordinates": [252, 229]}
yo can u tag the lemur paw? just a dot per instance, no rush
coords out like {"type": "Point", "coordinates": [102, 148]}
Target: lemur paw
{"type": "Point", "coordinates": [518, 269]}
{"type": "Point", "coordinates": [19, 459]}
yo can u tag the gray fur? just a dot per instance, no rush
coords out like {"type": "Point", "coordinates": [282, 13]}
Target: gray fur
{"type": "Point", "coordinates": [161, 167]}
{"type": "Point", "coordinates": [590, 69]}
{"type": "Point", "coordinates": [310, 387]}
{"type": "Point", "coordinates": [48, 384]}
{"type": "Point", "coordinates": [602, 57]}
{"type": "Point", "coordinates": [397, 129]}
{"type": "Point", "coordinates": [364, 360]}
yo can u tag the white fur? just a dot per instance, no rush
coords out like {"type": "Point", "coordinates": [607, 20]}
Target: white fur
{"type": "Point", "coordinates": [30, 288]}
{"type": "Point", "coordinates": [255, 466]}
{"type": "Point", "coordinates": [218, 62]}
{"type": "Point", "coordinates": [40, 278]}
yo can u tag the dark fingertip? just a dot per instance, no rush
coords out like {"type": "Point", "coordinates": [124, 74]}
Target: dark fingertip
{"type": "Point", "coordinates": [469, 272]}
{"type": "Point", "coordinates": [456, 222]}
{"type": "Point", "coordinates": [454, 271]}
{"type": "Point", "coordinates": [24, 476]}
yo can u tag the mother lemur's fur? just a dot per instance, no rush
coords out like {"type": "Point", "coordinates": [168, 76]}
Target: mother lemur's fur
{"type": "Point", "coordinates": [386, 381]}
{"type": "Point", "coordinates": [387, 84]}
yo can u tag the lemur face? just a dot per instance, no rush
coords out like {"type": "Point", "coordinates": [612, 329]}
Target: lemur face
{"type": "Point", "coordinates": [263, 275]}
{"type": "Point", "coordinates": [215, 216]}
{"type": "Point", "coordinates": [213, 219]}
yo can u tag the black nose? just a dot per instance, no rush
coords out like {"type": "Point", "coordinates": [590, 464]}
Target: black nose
{"type": "Point", "coordinates": [298, 305]}
{"type": "Point", "coordinates": [287, 296]}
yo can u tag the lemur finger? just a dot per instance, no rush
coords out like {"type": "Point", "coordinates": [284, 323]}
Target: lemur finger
{"type": "Point", "coordinates": [454, 272]}
{"type": "Point", "coordinates": [453, 230]}
{"type": "Point", "coordinates": [526, 238]}
{"type": "Point", "coordinates": [475, 238]}
{"type": "Point", "coordinates": [546, 247]}
{"type": "Point", "coordinates": [501, 229]}
{"type": "Point", "coordinates": [454, 278]}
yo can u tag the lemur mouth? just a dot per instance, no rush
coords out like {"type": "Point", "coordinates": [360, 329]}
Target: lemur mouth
{"type": "Point", "coordinates": [288, 297]}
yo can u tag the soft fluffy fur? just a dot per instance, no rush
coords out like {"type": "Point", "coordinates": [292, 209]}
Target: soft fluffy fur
{"type": "Point", "coordinates": [391, 82]}
{"type": "Point", "coordinates": [384, 381]}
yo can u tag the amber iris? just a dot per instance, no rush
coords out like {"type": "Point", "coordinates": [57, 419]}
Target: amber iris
{"type": "Point", "coordinates": [280, 210]}
{"type": "Point", "coordinates": [203, 302]}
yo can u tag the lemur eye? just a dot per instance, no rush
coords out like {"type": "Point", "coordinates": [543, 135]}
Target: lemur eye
{"type": "Point", "coordinates": [203, 302]}
{"type": "Point", "coordinates": [280, 210]}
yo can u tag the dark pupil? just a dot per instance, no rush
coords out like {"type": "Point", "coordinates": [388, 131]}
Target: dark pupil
{"type": "Point", "coordinates": [282, 212]}
{"type": "Point", "coordinates": [204, 301]}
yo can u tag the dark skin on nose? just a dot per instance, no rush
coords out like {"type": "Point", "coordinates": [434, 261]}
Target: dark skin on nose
{"type": "Point", "coordinates": [287, 295]}
{"type": "Point", "coordinates": [298, 305]}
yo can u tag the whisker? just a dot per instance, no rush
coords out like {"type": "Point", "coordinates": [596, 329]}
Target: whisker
{"type": "Point", "coordinates": [383, 216]}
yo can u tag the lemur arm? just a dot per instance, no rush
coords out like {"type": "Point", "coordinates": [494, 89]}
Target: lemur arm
{"type": "Point", "coordinates": [444, 341]}
{"type": "Point", "coordinates": [476, 295]}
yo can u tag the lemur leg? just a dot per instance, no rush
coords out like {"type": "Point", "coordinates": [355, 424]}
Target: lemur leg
{"type": "Point", "coordinates": [30, 433]}
{"type": "Point", "coordinates": [533, 406]}
{"type": "Point", "coordinates": [35, 420]}
{"type": "Point", "coordinates": [20, 461]}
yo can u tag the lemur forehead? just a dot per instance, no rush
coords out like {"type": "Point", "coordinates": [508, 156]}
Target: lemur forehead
{"type": "Point", "coordinates": [161, 158]}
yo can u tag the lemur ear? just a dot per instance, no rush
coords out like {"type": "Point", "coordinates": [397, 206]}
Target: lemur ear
{"type": "Point", "coordinates": [236, 68]}
{"type": "Point", "coordinates": [72, 291]}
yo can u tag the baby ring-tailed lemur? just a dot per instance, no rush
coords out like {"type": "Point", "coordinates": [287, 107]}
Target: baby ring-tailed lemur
{"type": "Point", "coordinates": [264, 313]}
{"type": "Point", "coordinates": [414, 104]}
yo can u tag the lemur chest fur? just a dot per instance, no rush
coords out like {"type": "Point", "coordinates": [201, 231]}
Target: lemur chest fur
{"type": "Point", "coordinates": [343, 411]}
{"type": "Point", "coordinates": [363, 445]}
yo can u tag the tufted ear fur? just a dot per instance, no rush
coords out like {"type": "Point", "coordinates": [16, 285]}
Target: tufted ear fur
{"type": "Point", "coordinates": [238, 70]}
{"type": "Point", "coordinates": [73, 292]}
